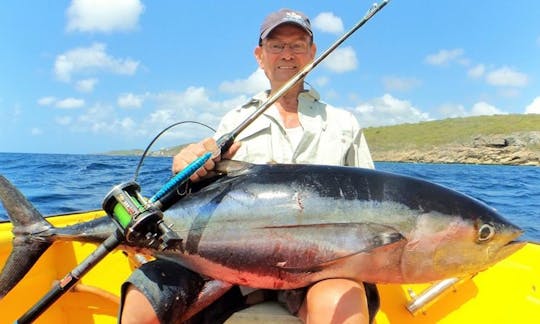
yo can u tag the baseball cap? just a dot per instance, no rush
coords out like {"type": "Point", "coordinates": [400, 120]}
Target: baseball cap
{"type": "Point", "coordinates": [284, 16]}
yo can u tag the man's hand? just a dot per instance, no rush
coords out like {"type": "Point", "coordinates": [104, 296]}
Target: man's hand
{"type": "Point", "coordinates": [191, 152]}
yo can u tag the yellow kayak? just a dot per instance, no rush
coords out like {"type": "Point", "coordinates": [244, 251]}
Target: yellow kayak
{"type": "Point", "coordinates": [508, 292]}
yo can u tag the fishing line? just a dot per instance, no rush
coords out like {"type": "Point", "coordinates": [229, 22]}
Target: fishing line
{"type": "Point", "coordinates": [143, 156]}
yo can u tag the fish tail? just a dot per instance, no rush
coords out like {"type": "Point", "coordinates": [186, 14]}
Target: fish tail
{"type": "Point", "coordinates": [28, 242]}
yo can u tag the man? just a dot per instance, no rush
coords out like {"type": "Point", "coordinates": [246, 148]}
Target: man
{"type": "Point", "coordinates": [298, 128]}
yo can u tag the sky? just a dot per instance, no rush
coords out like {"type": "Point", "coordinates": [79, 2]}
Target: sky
{"type": "Point", "coordinates": [91, 76]}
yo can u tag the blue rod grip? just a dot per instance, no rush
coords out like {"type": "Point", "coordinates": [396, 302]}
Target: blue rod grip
{"type": "Point", "coordinates": [181, 176]}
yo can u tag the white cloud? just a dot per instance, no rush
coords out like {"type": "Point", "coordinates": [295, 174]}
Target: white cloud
{"type": "Point", "coordinates": [129, 100]}
{"type": "Point", "coordinates": [69, 103]}
{"type": "Point", "coordinates": [388, 110]}
{"type": "Point", "coordinates": [36, 131]}
{"type": "Point", "coordinates": [103, 15]}
{"type": "Point", "coordinates": [331, 95]}
{"type": "Point", "coordinates": [508, 92]}
{"type": "Point", "coordinates": [91, 60]}
{"type": "Point", "coordinates": [328, 22]}
{"type": "Point", "coordinates": [322, 81]}
{"type": "Point", "coordinates": [86, 85]}
{"type": "Point", "coordinates": [480, 108]}
{"type": "Point", "coordinates": [341, 60]}
{"type": "Point", "coordinates": [64, 120]}
{"type": "Point", "coordinates": [444, 57]}
{"type": "Point", "coordinates": [192, 104]}
{"type": "Point", "coordinates": [393, 83]}
{"type": "Point", "coordinates": [483, 108]}
{"type": "Point", "coordinates": [452, 111]}
{"type": "Point", "coordinates": [46, 101]}
{"type": "Point", "coordinates": [533, 107]}
{"type": "Point", "coordinates": [506, 76]}
{"type": "Point", "coordinates": [255, 83]}
{"type": "Point", "coordinates": [102, 119]}
{"type": "Point", "coordinates": [477, 71]}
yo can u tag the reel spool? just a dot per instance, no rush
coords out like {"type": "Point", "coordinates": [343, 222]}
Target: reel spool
{"type": "Point", "coordinates": [139, 220]}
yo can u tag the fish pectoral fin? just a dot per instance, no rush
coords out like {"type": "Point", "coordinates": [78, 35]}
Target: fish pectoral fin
{"type": "Point", "coordinates": [224, 167]}
{"type": "Point", "coordinates": [315, 246]}
{"type": "Point", "coordinates": [231, 166]}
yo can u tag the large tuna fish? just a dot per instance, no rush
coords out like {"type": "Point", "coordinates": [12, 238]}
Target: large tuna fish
{"type": "Point", "coordinates": [286, 226]}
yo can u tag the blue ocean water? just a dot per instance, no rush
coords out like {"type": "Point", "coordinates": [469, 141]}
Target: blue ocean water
{"type": "Point", "coordinates": [57, 183]}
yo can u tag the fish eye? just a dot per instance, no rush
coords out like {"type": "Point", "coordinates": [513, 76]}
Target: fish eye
{"type": "Point", "coordinates": [485, 233]}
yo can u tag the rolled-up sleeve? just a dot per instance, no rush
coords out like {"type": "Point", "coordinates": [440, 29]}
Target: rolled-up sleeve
{"type": "Point", "coordinates": [359, 154]}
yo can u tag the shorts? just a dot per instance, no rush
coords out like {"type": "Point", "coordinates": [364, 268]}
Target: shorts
{"type": "Point", "coordinates": [171, 288]}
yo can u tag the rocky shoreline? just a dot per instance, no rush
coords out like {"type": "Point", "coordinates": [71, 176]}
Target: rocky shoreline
{"type": "Point", "coordinates": [522, 148]}
{"type": "Point", "coordinates": [514, 149]}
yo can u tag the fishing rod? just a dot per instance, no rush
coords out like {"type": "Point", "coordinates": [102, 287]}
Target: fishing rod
{"type": "Point", "coordinates": [140, 220]}
{"type": "Point", "coordinates": [166, 199]}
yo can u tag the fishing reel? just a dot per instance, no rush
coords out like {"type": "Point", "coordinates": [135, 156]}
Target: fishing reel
{"type": "Point", "coordinates": [140, 220]}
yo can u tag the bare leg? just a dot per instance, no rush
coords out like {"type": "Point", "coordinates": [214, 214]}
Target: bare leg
{"type": "Point", "coordinates": [335, 301]}
{"type": "Point", "coordinates": [137, 309]}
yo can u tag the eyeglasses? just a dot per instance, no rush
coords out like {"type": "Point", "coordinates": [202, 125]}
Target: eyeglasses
{"type": "Point", "coordinates": [297, 47]}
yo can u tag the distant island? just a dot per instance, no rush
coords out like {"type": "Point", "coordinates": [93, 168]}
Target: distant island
{"type": "Point", "coordinates": [498, 139]}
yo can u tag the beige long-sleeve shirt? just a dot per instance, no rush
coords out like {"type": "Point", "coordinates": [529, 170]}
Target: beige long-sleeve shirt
{"type": "Point", "coordinates": [330, 136]}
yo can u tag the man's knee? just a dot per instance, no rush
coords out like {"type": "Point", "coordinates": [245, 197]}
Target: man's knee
{"type": "Point", "coordinates": [332, 292]}
{"type": "Point", "coordinates": [160, 289]}
{"type": "Point", "coordinates": [137, 308]}
{"type": "Point", "coordinates": [337, 301]}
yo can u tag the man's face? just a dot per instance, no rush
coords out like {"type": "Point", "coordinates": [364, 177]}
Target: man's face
{"type": "Point", "coordinates": [284, 52]}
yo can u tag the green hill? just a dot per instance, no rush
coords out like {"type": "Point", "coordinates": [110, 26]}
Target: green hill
{"type": "Point", "coordinates": [448, 131]}
{"type": "Point", "coordinates": [500, 139]}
